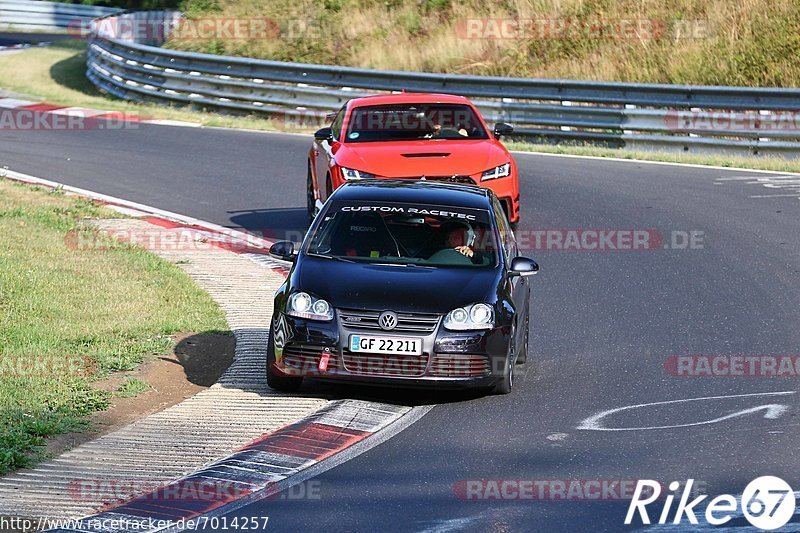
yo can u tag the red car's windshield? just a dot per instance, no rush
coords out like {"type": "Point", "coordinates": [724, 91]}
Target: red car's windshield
{"type": "Point", "coordinates": [403, 122]}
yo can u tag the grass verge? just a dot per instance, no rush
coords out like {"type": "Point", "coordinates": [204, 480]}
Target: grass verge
{"type": "Point", "coordinates": [751, 43]}
{"type": "Point", "coordinates": [69, 316]}
{"type": "Point", "coordinates": [132, 387]}
{"type": "Point", "coordinates": [57, 74]}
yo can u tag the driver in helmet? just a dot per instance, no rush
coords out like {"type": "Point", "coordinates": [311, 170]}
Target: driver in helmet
{"type": "Point", "coordinates": [458, 236]}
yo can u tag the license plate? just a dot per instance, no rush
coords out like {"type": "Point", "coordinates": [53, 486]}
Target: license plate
{"type": "Point", "coordinates": [385, 345]}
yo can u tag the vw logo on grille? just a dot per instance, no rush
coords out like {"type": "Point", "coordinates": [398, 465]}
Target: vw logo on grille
{"type": "Point", "coordinates": [387, 320]}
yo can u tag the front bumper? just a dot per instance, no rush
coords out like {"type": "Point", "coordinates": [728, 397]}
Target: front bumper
{"type": "Point", "coordinates": [319, 350]}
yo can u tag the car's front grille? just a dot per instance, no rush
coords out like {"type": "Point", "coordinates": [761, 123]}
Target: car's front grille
{"type": "Point", "coordinates": [445, 365]}
{"type": "Point", "coordinates": [384, 365]}
{"type": "Point", "coordinates": [306, 358]}
{"type": "Point", "coordinates": [410, 323]}
{"type": "Point", "coordinates": [466, 180]}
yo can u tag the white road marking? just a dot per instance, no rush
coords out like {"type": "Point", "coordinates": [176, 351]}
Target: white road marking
{"type": "Point", "coordinates": [79, 112]}
{"type": "Point", "coordinates": [13, 103]}
{"type": "Point", "coordinates": [183, 219]}
{"type": "Point", "coordinates": [773, 411]}
{"type": "Point", "coordinates": [780, 185]}
{"type": "Point", "coordinates": [176, 123]}
{"type": "Point", "coordinates": [644, 161]}
{"type": "Point", "coordinates": [750, 178]}
{"type": "Point", "coordinates": [777, 181]}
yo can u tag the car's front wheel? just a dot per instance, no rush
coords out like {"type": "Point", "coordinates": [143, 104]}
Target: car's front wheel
{"type": "Point", "coordinates": [522, 356]}
{"type": "Point", "coordinates": [506, 382]}
{"type": "Point", "coordinates": [274, 380]}
{"type": "Point", "coordinates": [311, 201]}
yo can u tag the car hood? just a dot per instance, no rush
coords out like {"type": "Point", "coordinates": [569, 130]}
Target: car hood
{"type": "Point", "coordinates": [396, 288]}
{"type": "Point", "coordinates": [422, 158]}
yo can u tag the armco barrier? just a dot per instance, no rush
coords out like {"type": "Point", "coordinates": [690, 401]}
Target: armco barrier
{"type": "Point", "coordinates": [48, 16]}
{"type": "Point", "coordinates": [699, 119]}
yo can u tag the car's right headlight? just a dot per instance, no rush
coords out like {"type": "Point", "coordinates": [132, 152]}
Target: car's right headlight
{"type": "Point", "coordinates": [351, 174]}
{"type": "Point", "coordinates": [497, 172]}
{"type": "Point", "coordinates": [470, 317]}
{"type": "Point", "coordinates": [303, 305]}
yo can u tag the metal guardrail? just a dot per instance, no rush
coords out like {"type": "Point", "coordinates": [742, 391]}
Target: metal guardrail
{"type": "Point", "coordinates": [723, 120]}
{"type": "Point", "coordinates": [49, 16]}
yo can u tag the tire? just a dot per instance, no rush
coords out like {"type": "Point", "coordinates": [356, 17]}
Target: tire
{"type": "Point", "coordinates": [506, 383]}
{"type": "Point", "coordinates": [311, 204]}
{"type": "Point", "coordinates": [522, 356]}
{"type": "Point", "coordinates": [275, 380]}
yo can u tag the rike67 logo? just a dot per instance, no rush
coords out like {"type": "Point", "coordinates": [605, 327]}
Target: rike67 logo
{"type": "Point", "coordinates": [767, 503]}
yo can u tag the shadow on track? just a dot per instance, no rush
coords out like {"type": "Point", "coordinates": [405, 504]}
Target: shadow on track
{"type": "Point", "coordinates": [289, 224]}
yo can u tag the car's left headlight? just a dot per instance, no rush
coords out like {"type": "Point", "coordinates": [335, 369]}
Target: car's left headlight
{"type": "Point", "coordinates": [303, 305]}
{"type": "Point", "coordinates": [497, 172]}
{"type": "Point", "coordinates": [352, 174]}
{"type": "Point", "coordinates": [469, 317]}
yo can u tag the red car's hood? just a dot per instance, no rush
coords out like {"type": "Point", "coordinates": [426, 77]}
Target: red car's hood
{"type": "Point", "coordinates": [417, 158]}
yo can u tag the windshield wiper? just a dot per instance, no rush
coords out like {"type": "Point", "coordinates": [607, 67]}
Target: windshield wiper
{"type": "Point", "coordinates": [403, 265]}
{"type": "Point", "coordinates": [331, 257]}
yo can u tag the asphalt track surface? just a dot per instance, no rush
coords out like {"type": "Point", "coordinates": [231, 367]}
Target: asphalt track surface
{"type": "Point", "coordinates": [603, 324]}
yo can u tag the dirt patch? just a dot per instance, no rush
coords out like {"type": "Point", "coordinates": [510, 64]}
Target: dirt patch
{"type": "Point", "coordinates": [197, 363]}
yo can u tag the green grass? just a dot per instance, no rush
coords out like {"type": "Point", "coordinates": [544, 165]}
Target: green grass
{"type": "Point", "coordinates": [57, 74]}
{"type": "Point", "coordinates": [69, 316]}
{"type": "Point", "coordinates": [132, 387]}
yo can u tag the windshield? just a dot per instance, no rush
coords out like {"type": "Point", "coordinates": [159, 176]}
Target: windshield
{"type": "Point", "coordinates": [406, 234]}
{"type": "Point", "coordinates": [403, 122]}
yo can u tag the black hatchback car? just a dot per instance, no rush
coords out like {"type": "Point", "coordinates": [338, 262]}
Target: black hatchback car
{"type": "Point", "coordinates": [403, 283]}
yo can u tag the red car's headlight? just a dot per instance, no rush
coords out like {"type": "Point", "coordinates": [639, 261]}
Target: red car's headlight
{"type": "Point", "coordinates": [351, 174]}
{"type": "Point", "coordinates": [497, 172]}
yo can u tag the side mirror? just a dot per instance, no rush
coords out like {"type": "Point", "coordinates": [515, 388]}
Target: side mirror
{"type": "Point", "coordinates": [283, 250]}
{"type": "Point", "coordinates": [501, 128]}
{"type": "Point", "coordinates": [323, 134]}
{"type": "Point", "coordinates": [522, 266]}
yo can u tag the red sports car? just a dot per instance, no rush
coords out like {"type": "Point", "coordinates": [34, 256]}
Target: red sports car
{"type": "Point", "coordinates": [434, 137]}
